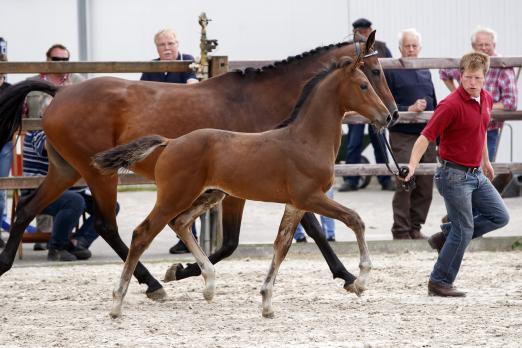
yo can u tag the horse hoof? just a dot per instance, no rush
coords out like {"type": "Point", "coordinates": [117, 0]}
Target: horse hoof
{"type": "Point", "coordinates": [355, 287]}
{"type": "Point", "coordinates": [157, 295]}
{"type": "Point", "coordinates": [170, 275]}
{"type": "Point", "coordinates": [268, 314]}
{"type": "Point", "coordinates": [114, 314]}
{"type": "Point", "coordinates": [208, 294]}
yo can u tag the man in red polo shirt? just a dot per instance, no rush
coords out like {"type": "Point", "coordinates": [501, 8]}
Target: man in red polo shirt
{"type": "Point", "coordinates": [463, 179]}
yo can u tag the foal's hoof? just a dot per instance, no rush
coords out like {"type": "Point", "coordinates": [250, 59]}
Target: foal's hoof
{"type": "Point", "coordinates": [356, 287]}
{"type": "Point", "coordinates": [208, 294]}
{"type": "Point", "coordinates": [170, 275]}
{"type": "Point", "coordinates": [157, 295]}
{"type": "Point", "coordinates": [114, 314]}
{"type": "Point", "coordinates": [269, 314]}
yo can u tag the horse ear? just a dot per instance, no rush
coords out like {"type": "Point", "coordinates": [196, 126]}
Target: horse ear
{"type": "Point", "coordinates": [358, 61]}
{"type": "Point", "coordinates": [370, 41]}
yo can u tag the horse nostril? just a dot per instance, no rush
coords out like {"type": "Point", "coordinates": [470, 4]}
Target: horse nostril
{"type": "Point", "coordinates": [395, 115]}
{"type": "Point", "coordinates": [388, 119]}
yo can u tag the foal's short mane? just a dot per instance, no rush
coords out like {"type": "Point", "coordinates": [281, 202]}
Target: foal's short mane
{"type": "Point", "coordinates": [309, 87]}
{"type": "Point", "coordinates": [292, 59]}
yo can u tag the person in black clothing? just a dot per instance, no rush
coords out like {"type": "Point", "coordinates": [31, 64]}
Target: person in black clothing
{"type": "Point", "coordinates": [167, 46]}
{"type": "Point", "coordinates": [413, 91]}
{"type": "Point", "coordinates": [355, 138]}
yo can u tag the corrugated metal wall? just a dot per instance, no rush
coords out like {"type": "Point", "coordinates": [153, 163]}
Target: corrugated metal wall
{"type": "Point", "coordinates": [268, 29]}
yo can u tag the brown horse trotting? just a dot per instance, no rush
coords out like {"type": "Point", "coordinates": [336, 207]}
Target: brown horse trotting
{"type": "Point", "coordinates": [292, 164]}
{"type": "Point", "coordinates": [101, 113]}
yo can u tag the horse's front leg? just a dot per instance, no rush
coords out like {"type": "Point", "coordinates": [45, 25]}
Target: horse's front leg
{"type": "Point", "coordinates": [141, 239]}
{"type": "Point", "coordinates": [291, 218]}
{"type": "Point", "coordinates": [319, 203]}
{"type": "Point", "coordinates": [313, 229]}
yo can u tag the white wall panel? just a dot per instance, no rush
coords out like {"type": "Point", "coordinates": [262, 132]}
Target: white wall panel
{"type": "Point", "coordinates": [269, 29]}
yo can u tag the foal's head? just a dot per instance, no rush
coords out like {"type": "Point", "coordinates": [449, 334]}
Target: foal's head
{"type": "Point", "coordinates": [359, 95]}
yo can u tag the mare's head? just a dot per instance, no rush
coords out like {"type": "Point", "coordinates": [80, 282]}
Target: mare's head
{"type": "Point", "coordinates": [358, 94]}
{"type": "Point", "coordinates": [373, 71]}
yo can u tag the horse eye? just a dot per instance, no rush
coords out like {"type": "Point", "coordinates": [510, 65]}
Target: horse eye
{"type": "Point", "coordinates": [364, 86]}
{"type": "Point", "coordinates": [376, 72]}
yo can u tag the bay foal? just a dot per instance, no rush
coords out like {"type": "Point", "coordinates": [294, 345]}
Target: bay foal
{"type": "Point", "coordinates": [292, 164]}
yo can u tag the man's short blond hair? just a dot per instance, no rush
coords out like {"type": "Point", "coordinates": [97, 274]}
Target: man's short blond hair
{"type": "Point", "coordinates": [474, 61]}
{"type": "Point", "coordinates": [166, 31]}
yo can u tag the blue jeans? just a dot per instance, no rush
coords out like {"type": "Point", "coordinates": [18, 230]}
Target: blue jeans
{"type": "Point", "coordinates": [492, 143]}
{"type": "Point", "coordinates": [463, 193]}
{"type": "Point", "coordinates": [327, 224]}
{"type": "Point", "coordinates": [355, 147]}
{"type": "Point", "coordinates": [66, 212]}
{"type": "Point", "coordinates": [6, 159]}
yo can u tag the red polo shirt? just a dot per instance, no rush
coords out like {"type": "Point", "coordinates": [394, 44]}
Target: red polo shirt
{"type": "Point", "coordinates": [461, 123]}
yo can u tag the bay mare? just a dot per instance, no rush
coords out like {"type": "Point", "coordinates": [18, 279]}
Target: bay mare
{"type": "Point", "coordinates": [293, 165]}
{"type": "Point", "coordinates": [101, 113]}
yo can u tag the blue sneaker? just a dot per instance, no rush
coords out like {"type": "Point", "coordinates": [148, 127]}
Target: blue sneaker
{"type": "Point", "coordinates": [6, 226]}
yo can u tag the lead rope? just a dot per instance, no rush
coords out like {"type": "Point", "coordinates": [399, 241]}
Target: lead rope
{"type": "Point", "coordinates": [403, 171]}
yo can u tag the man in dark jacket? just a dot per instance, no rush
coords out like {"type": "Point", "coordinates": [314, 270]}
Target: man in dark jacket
{"type": "Point", "coordinates": [355, 137]}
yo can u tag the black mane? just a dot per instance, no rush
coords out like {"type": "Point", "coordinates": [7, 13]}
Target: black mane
{"type": "Point", "coordinates": [308, 88]}
{"type": "Point", "coordinates": [293, 59]}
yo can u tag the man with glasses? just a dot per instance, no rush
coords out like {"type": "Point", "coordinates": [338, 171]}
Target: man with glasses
{"type": "Point", "coordinates": [68, 208]}
{"type": "Point", "coordinates": [167, 46]}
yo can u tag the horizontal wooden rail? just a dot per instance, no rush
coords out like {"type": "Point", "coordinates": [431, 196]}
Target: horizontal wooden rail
{"type": "Point", "coordinates": [422, 169]}
{"type": "Point", "coordinates": [184, 66]}
{"type": "Point", "coordinates": [25, 182]}
{"type": "Point", "coordinates": [352, 118]}
{"type": "Point", "coordinates": [94, 67]}
{"type": "Point", "coordinates": [397, 63]}
{"type": "Point", "coordinates": [29, 182]}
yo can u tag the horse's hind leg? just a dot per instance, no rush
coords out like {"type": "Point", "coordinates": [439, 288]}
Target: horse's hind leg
{"type": "Point", "coordinates": [289, 222]}
{"type": "Point", "coordinates": [182, 224]}
{"type": "Point", "coordinates": [104, 192]}
{"type": "Point", "coordinates": [60, 177]}
{"type": "Point", "coordinates": [313, 229]}
{"type": "Point", "coordinates": [321, 204]}
{"type": "Point", "coordinates": [141, 239]}
{"type": "Point", "coordinates": [232, 213]}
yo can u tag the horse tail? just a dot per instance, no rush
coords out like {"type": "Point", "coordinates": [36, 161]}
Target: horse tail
{"type": "Point", "coordinates": [12, 105]}
{"type": "Point", "coordinates": [124, 156]}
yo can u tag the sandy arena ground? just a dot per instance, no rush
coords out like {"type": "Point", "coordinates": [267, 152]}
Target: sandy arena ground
{"type": "Point", "coordinates": [68, 306]}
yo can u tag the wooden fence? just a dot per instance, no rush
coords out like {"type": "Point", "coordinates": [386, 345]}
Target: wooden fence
{"type": "Point", "coordinates": [220, 64]}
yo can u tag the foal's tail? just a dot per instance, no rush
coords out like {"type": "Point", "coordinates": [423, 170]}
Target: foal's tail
{"type": "Point", "coordinates": [124, 156]}
{"type": "Point", "coordinates": [12, 103]}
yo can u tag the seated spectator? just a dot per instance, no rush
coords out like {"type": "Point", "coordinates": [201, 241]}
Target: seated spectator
{"type": "Point", "coordinates": [37, 102]}
{"type": "Point", "coordinates": [500, 83]}
{"type": "Point", "coordinates": [66, 210]}
{"type": "Point", "coordinates": [167, 46]}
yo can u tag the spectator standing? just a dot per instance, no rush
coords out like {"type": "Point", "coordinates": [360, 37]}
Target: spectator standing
{"type": "Point", "coordinates": [6, 158]}
{"type": "Point", "coordinates": [413, 91]}
{"type": "Point", "coordinates": [463, 179]}
{"type": "Point", "coordinates": [355, 137]}
{"type": "Point", "coordinates": [500, 83]}
{"type": "Point", "coordinates": [167, 46]}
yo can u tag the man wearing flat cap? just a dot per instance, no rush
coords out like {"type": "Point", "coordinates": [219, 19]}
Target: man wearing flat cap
{"type": "Point", "coordinates": [364, 27]}
{"type": "Point", "coordinates": [355, 138]}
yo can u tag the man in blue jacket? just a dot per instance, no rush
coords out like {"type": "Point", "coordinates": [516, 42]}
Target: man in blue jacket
{"type": "Point", "coordinates": [413, 91]}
